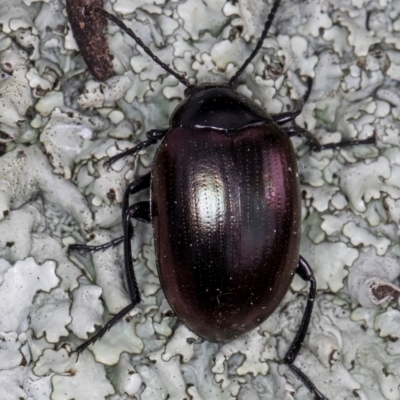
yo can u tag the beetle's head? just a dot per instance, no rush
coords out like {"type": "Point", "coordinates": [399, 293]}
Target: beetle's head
{"type": "Point", "coordinates": [191, 90]}
{"type": "Point", "coordinates": [216, 106]}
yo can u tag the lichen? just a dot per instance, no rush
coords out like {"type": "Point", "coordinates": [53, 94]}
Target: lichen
{"type": "Point", "coordinates": [58, 126]}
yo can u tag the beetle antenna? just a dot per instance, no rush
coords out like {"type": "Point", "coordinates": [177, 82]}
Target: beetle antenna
{"type": "Point", "coordinates": [264, 34]}
{"type": "Point", "coordinates": [143, 46]}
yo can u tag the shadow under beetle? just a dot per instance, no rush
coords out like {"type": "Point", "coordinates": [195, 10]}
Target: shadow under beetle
{"type": "Point", "coordinates": [225, 208]}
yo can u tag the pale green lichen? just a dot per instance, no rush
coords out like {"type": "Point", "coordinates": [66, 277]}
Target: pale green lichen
{"type": "Point", "coordinates": [59, 126]}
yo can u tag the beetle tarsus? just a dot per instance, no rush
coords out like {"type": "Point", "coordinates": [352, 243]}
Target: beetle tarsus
{"type": "Point", "coordinates": [152, 135]}
{"type": "Point", "coordinates": [318, 395]}
{"type": "Point", "coordinates": [129, 152]}
{"type": "Point", "coordinates": [83, 248]}
{"type": "Point", "coordinates": [347, 143]}
{"type": "Point", "coordinates": [105, 328]}
{"type": "Point", "coordinates": [317, 146]}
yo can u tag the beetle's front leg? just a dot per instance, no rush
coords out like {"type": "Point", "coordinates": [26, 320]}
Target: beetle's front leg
{"type": "Point", "coordinates": [152, 137]}
{"type": "Point", "coordinates": [305, 272]}
{"type": "Point", "coordinates": [317, 146]}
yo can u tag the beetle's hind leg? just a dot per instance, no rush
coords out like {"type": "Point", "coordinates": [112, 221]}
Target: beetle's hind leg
{"type": "Point", "coordinates": [141, 212]}
{"type": "Point", "coordinates": [305, 272]}
{"type": "Point", "coordinates": [152, 137]}
{"type": "Point", "coordinates": [317, 146]}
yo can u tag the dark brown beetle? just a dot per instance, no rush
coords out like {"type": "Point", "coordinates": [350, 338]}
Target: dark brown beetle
{"type": "Point", "coordinates": [226, 211]}
{"type": "Point", "coordinates": [225, 208]}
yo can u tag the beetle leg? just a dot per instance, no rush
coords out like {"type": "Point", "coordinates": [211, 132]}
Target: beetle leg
{"type": "Point", "coordinates": [305, 272]}
{"type": "Point", "coordinates": [153, 135]}
{"type": "Point", "coordinates": [130, 152]}
{"type": "Point", "coordinates": [347, 143]}
{"type": "Point", "coordinates": [317, 146]}
{"type": "Point", "coordinates": [105, 328]}
{"type": "Point", "coordinates": [141, 212]}
{"type": "Point", "coordinates": [143, 215]}
{"type": "Point", "coordinates": [84, 248]}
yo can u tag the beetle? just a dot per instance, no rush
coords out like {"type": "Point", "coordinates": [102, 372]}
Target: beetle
{"type": "Point", "coordinates": [225, 208]}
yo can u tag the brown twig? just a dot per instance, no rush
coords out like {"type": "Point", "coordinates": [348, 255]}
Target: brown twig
{"type": "Point", "coordinates": [88, 26]}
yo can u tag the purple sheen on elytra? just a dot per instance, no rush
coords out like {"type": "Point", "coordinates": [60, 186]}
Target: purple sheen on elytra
{"type": "Point", "coordinates": [226, 226]}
